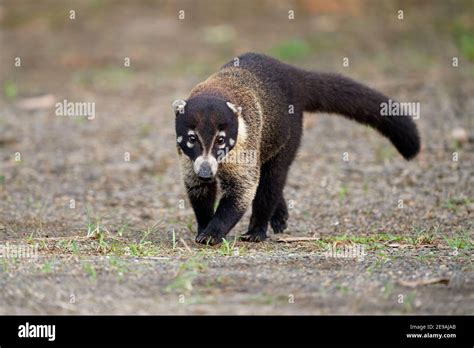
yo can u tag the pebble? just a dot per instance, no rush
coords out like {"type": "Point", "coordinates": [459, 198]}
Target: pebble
{"type": "Point", "coordinates": [460, 135]}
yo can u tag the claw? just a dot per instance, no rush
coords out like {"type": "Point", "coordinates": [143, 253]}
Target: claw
{"type": "Point", "coordinates": [253, 237]}
{"type": "Point", "coordinates": [207, 239]}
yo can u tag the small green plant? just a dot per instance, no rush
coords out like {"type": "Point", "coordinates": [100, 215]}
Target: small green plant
{"type": "Point", "coordinates": [461, 242]}
{"type": "Point", "coordinates": [122, 229]}
{"type": "Point", "coordinates": [423, 256]}
{"type": "Point", "coordinates": [342, 194]}
{"type": "Point", "coordinates": [90, 271]}
{"type": "Point", "coordinates": [5, 265]}
{"type": "Point", "coordinates": [118, 265]}
{"type": "Point", "coordinates": [387, 289]}
{"type": "Point", "coordinates": [453, 204]}
{"type": "Point", "coordinates": [263, 299]}
{"type": "Point", "coordinates": [94, 225]}
{"type": "Point", "coordinates": [174, 240]}
{"type": "Point", "coordinates": [422, 236]}
{"type": "Point", "coordinates": [372, 242]}
{"type": "Point", "coordinates": [227, 248]}
{"type": "Point", "coordinates": [134, 249]}
{"type": "Point", "coordinates": [144, 247]}
{"type": "Point", "coordinates": [10, 90]}
{"type": "Point", "coordinates": [62, 244]}
{"type": "Point", "coordinates": [189, 226]}
{"type": "Point", "coordinates": [43, 245]}
{"type": "Point", "coordinates": [187, 272]}
{"type": "Point", "coordinates": [30, 239]}
{"type": "Point", "coordinates": [342, 288]}
{"type": "Point", "coordinates": [47, 266]}
{"type": "Point", "coordinates": [409, 301]}
{"type": "Point", "coordinates": [322, 244]}
{"type": "Point", "coordinates": [74, 247]}
{"type": "Point", "coordinates": [103, 243]}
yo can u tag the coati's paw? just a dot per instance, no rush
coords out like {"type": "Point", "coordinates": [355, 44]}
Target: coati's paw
{"type": "Point", "coordinates": [278, 224]}
{"type": "Point", "coordinates": [210, 235]}
{"type": "Point", "coordinates": [278, 221]}
{"type": "Point", "coordinates": [204, 238]}
{"type": "Point", "coordinates": [255, 235]}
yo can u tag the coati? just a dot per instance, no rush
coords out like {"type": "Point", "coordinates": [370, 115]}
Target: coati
{"type": "Point", "coordinates": [256, 108]}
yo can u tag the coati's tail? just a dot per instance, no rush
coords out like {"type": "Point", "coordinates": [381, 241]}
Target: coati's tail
{"type": "Point", "coordinates": [334, 93]}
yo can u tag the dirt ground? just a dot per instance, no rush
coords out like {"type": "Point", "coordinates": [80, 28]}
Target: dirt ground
{"type": "Point", "coordinates": [97, 233]}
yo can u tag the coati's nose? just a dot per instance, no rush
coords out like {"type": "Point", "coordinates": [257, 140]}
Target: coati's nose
{"type": "Point", "coordinates": [205, 171]}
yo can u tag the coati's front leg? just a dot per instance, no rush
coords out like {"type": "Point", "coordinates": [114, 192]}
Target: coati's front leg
{"type": "Point", "coordinates": [237, 194]}
{"type": "Point", "coordinates": [202, 197]}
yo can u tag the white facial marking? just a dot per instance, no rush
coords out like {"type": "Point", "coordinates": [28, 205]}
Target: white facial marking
{"type": "Point", "coordinates": [231, 142]}
{"type": "Point", "coordinates": [197, 164]}
{"type": "Point", "coordinates": [211, 160]}
{"type": "Point", "coordinates": [204, 150]}
{"type": "Point", "coordinates": [221, 134]}
{"type": "Point", "coordinates": [179, 139]}
{"type": "Point", "coordinates": [189, 144]}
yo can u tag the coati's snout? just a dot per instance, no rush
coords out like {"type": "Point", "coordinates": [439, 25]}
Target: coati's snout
{"type": "Point", "coordinates": [206, 130]}
{"type": "Point", "coordinates": [205, 167]}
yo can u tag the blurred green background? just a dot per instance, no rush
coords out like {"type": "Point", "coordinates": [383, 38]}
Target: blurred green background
{"type": "Point", "coordinates": [87, 53]}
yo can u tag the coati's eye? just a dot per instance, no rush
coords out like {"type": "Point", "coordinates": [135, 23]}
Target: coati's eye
{"type": "Point", "coordinates": [192, 139]}
{"type": "Point", "coordinates": [221, 140]}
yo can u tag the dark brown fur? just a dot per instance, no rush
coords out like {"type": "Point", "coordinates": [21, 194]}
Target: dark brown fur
{"type": "Point", "coordinates": [273, 97]}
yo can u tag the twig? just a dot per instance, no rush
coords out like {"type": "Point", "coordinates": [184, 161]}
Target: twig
{"type": "Point", "coordinates": [185, 245]}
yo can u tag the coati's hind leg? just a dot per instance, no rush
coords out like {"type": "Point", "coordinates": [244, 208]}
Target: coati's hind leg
{"type": "Point", "coordinates": [267, 199]}
{"type": "Point", "coordinates": [280, 216]}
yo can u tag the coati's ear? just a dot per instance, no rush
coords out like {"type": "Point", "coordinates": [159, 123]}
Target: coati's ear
{"type": "Point", "coordinates": [235, 109]}
{"type": "Point", "coordinates": [178, 106]}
